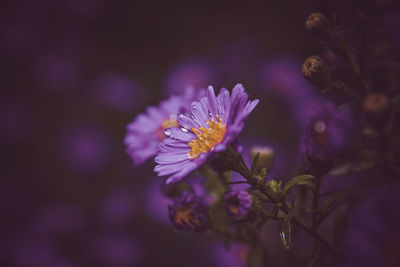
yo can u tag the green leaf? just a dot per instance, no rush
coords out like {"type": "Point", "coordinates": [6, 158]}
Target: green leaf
{"type": "Point", "coordinates": [255, 256]}
{"type": "Point", "coordinates": [298, 180]}
{"type": "Point", "coordinates": [331, 203]}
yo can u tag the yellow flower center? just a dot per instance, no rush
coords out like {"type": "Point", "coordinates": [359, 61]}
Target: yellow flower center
{"type": "Point", "coordinates": [207, 138]}
{"type": "Point", "coordinates": [171, 122]}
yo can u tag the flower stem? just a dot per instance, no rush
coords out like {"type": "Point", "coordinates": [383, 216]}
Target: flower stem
{"type": "Point", "coordinates": [242, 169]}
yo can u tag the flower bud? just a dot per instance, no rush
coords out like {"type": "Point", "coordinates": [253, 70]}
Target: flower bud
{"type": "Point", "coordinates": [316, 21]}
{"type": "Point", "coordinates": [375, 103]}
{"type": "Point", "coordinates": [265, 157]}
{"type": "Point", "coordinates": [275, 186]}
{"type": "Point", "coordinates": [316, 70]}
{"type": "Point", "coordinates": [239, 204]}
{"type": "Point", "coordinates": [188, 212]}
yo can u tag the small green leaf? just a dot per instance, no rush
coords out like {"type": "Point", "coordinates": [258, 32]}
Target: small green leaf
{"type": "Point", "coordinates": [255, 256]}
{"type": "Point", "coordinates": [331, 203]}
{"type": "Point", "coordinates": [298, 180]}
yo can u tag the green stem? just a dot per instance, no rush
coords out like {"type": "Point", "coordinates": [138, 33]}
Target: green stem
{"type": "Point", "coordinates": [242, 168]}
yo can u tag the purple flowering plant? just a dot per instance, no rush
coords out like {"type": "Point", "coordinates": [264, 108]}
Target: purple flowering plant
{"type": "Point", "coordinates": [198, 134]}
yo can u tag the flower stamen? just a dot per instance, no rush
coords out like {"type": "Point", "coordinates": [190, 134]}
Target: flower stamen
{"type": "Point", "coordinates": [207, 138]}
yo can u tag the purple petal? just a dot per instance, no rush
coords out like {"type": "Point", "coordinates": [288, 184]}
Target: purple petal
{"type": "Point", "coordinates": [187, 122]}
{"type": "Point", "coordinates": [178, 133]}
{"type": "Point", "coordinates": [199, 114]}
{"type": "Point", "coordinates": [167, 158]}
{"type": "Point", "coordinates": [212, 100]}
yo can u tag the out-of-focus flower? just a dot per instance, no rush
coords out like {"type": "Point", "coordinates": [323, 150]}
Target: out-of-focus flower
{"type": "Point", "coordinates": [147, 130]}
{"type": "Point", "coordinates": [282, 77]}
{"type": "Point", "coordinates": [235, 256]}
{"type": "Point", "coordinates": [116, 250]}
{"type": "Point", "coordinates": [375, 103]}
{"type": "Point", "coordinates": [374, 230]}
{"type": "Point", "coordinates": [117, 207]}
{"type": "Point", "coordinates": [85, 149]}
{"type": "Point", "coordinates": [316, 21]}
{"type": "Point", "coordinates": [56, 220]}
{"type": "Point", "coordinates": [327, 133]}
{"type": "Point", "coordinates": [213, 123]}
{"type": "Point", "coordinates": [193, 73]}
{"type": "Point", "coordinates": [239, 204]}
{"type": "Point", "coordinates": [58, 70]}
{"type": "Point", "coordinates": [118, 92]}
{"type": "Point", "coordinates": [188, 212]}
{"type": "Point", "coordinates": [316, 70]}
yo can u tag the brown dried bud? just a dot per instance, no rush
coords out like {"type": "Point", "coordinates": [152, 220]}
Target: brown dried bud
{"type": "Point", "coordinates": [316, 70]}
{"type": "Point", "coordinates": [375, 103]}
{"type": "Point", "coordinates": [316, 21]}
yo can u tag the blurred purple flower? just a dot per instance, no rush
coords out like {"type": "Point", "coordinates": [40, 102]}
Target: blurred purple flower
{"type": "Point", "coordinates": [118, 92]}
{"type": "Point", "coordinates": [195, 73]}
{"type": "Point", "coordinates": [214, 122]}
{"type": "Point", "coordinates": [373, 236]}
{"type": "Point", "coordinates": [282, 77]}
{"type": "Point", "coordinates": [58, 70]}
{"type": "Point", "coordinates": [117, 207]}
{"type": "Point", "coordinates": [188, 212]}
{"type": "Point", "coordinates": [146, 131]}
{"type": "Point", "coordinates": [157, 203]}
{"type": "Point", "coordinates": [239, 204]}
{"type": "Point", "coordinates": [116, 250]}
{"type": "Point", "coordinates": [235, 256]}
{"type": "Point", "coordinates": [85, 149]}
{"type": "Point", "coordinates": [328, 132]}
{"type": "Point", "coordinates": [55, 220]}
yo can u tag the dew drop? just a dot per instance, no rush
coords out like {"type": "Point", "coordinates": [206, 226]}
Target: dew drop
{"type": "Point", "coordinates": [209, 114]}
{"type": "Point", "coordinates": [167, 132]}
{"type": "Point", "coordinates": [184, 130]}
{"type": "Point", "coordinates": [194, 106]}
{"type": "Point", "coordinates": [285, 240]}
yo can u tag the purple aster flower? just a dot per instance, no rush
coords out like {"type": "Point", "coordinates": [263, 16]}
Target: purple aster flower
{"type": "Point", "coordinates": [213, 122]}
{"type": "Point", "coordinates": [239, 204]}
{"type": "Point", "coordinates": [146, 131]}
{"type": "Point", "coordinates": [188, 212]}
{"type": "Point", "coordinates": [327, 133]}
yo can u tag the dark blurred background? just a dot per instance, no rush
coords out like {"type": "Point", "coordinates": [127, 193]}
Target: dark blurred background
{"type": "Point", "coordinates": [76, 72]}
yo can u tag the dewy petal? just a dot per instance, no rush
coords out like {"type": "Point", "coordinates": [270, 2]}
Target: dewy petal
{"type": "Point", "coordinates": [187, 122]}
{"type": "Point", "coordinates": [175, 142]}
{"type": "Point", "coordinates": [225, 100]}
{"type": "Point", "coordinates": [212, 100]}
{"type": "Point", "coordinates": [177, 133]}
{"type": "Point", "coordinates": [199, 114]}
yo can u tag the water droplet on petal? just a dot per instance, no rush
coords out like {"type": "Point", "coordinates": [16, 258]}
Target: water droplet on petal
{"type": "Point", "coordinates": [209, 114]}
{"type": "Point", "coordinates": [194, 106]}
{"type": "Point", "coordinates": [184, 130]}
{"type": "Point", "coordinates": [167, 132]}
